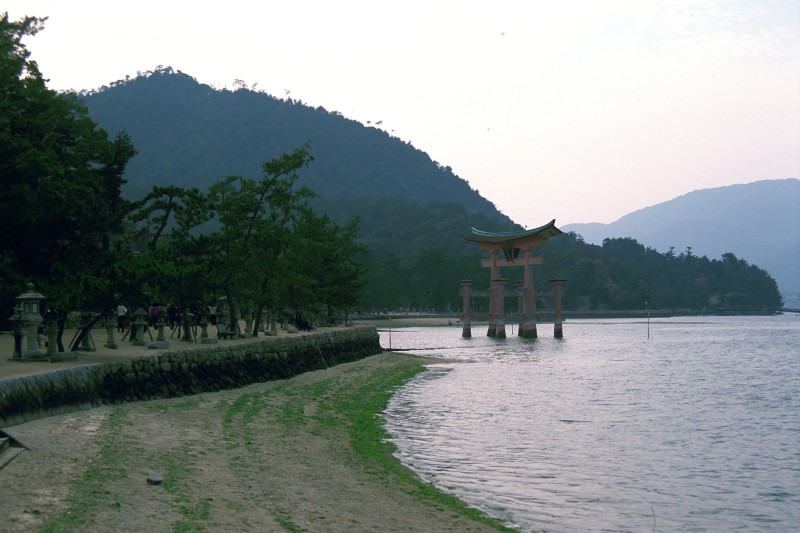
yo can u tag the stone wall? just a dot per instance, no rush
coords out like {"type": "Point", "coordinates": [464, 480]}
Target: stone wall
{"type": "Point", "coordinates": [180, 372]}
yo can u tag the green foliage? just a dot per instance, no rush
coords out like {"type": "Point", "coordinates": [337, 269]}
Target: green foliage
{"type": "Point", "coordinates": [60, 180]}
{"type": "Point", "coordinates": [173, 252]}
{"type": "Point", "coordinates": [190, 134]}
{"type": "Point", "coordinates": [258, 217]}
{"type": "Point", "coordinates": [69, 230]}
{"type": "Point", "coordinates": [623, 274]}
{"type": "Point", "coordinates": [620, 275]}
{"type": "Point", "coordinates": [326, 261]}
{"type": "Point", "coordinates": [61, 203]}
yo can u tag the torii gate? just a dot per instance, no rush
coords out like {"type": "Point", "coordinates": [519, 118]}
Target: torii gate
{"type": "Point", "coordinates": [512, 244]}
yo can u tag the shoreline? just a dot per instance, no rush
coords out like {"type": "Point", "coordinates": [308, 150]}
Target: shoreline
{"type": "Point", "coordinates": [303, 454]}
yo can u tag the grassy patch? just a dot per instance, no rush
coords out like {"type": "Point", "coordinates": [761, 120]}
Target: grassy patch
{"type": "Point", "coordinates": [344, 408]}
{"type": "Point", "coordinates": [354, 411]}
{"type": "Point", "coordinates": [90, 493]}
{"type": "Point", "coordinates": [87, 494]}
{"type": "Point", "coordinates": [285, 522]}
{"type": "Point", "coordinates": [360, 408]}
{"type": "Point", "coordinates": [190, 403]}
{"type": "Point", "coordinates": [177, 467]}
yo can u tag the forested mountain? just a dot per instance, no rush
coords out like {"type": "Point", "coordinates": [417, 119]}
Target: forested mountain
{"type": "Point", "coordinates": [758, 221]}
{"type": "Point", "coordinates": [622, 274]}
{"type": "Point", "coordinates": [191, 135]}
{"type": "Point", "coordinates": [414, 212]}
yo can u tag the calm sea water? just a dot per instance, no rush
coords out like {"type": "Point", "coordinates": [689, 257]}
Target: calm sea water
{"type": "Point", "coordinates": [695, 429]}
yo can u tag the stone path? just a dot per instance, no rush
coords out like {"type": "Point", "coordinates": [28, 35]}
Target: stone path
{"type": "Point", "coordinates": [126, 350]}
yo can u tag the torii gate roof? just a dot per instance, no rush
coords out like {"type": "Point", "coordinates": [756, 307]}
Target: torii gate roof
{"type": "Point", "coordinates": [516, 239]}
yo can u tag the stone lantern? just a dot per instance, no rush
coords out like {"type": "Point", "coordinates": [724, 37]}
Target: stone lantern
{"type": "Point", "coordinates": [222, 320]}
{"type": "Point", "coordinates": [203, 322]}
{"type": "Point", "coordinates": [30, 303]}
{"type": "Point", "coordinates": [140, 322]}
{"type": "Point", "coordinates": [161, 341]}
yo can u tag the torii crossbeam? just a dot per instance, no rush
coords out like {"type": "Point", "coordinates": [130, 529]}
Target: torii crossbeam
{"type": "Point", "coordinates": [517, 249]}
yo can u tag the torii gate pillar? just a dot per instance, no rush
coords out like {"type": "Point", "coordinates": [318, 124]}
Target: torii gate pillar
{"type": "Point", "coordinates": [558, 318]}
{"type": "Point", "coordinates": [512, 245]}
{"type": "Point", "coordinates": [528, 329]}
{"type": "Point", "coordinates": [494, 274]}
{"type": "Point", "coordinates": [497, 297]}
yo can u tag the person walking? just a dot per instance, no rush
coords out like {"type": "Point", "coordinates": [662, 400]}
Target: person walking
{"type": "Point", "coordinates": [122, 312]}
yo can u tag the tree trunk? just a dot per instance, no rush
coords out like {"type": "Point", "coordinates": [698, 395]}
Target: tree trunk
{"type": "Point", "coordinates": [258, 317]}
{"type": "Point", "coordinates": [232, 329]}
{"type": "Point", "coordinates": [84, 330]}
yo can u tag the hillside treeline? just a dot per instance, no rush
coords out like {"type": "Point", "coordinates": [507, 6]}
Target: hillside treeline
{"type": "Point", "coordinates": [189, 134]}
{"type": "Point", "coordinates": [619, 275]}
{"type": "Point", "coordinates": [69, 230]}
{"type": "Point", "coordinates": [391, 234]}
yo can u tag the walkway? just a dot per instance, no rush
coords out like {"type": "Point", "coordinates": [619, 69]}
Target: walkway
{"type": "Point", "coordinates": [126, 350]}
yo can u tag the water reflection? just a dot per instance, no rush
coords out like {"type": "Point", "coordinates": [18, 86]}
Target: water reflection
{"type": "Point", "coordinates": [604, 429]}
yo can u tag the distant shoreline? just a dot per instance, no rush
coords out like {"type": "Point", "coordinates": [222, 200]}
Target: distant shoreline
{"type": "Point", "coordinates": [454, 320]}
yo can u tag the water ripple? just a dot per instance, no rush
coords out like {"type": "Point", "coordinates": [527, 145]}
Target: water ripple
{"type": "Point", "coordinates": [694, 429]}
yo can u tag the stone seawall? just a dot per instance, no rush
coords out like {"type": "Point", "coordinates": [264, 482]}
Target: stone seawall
{"type": "Point", "coordinates": [180, 372]}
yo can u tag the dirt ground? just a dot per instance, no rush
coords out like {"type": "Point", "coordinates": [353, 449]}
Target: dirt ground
{"type": "Point", "coordinates": [268, 457]}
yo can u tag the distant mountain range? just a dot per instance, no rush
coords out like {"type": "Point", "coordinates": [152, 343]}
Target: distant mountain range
{"type": "Point", "coordinates": [191, 135]}
{"type": "Point", "coordinates": [758, 222]}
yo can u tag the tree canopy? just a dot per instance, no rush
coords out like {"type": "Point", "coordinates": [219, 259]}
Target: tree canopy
{"type": "Point", "coordinates": [68, 229]}
{"type": "Point", "coordinates": [60, 178]}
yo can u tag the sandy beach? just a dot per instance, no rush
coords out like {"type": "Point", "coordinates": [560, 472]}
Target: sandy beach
{"type": "Point", "coordinates": [304, 454]}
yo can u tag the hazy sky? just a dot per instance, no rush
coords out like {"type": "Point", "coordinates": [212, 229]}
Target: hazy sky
{"type": "Point", "coordinates": [580, 111]}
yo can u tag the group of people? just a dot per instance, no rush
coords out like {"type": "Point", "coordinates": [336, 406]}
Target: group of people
{"type": "Point", "coordinates": [60, 316]}
{"type": "Point", "coordinates": [173, 316]}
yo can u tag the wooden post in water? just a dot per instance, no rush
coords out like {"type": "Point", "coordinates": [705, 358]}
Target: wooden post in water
{"type": "Point", "coordinates": [529, 325]}
{"type": "Point", "coordinates": [558, 317]}
{"type": "Point", "coordinates": [520, 305]}
{"type": "Point", "coordinates": [493, 298]}
{"type": "Point", "coordinates": [466, 289]}
{"type": "Point", "coordinates": [500, 312]}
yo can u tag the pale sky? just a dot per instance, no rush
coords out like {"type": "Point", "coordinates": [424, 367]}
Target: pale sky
{"type": "Point", "coordinates": [580, 111]}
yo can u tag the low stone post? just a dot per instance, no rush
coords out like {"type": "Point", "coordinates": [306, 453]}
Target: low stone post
{"type": "Point", "coordinates": [111, 325]}
{"type": "Point", "coordinates": [51, 330]}
{"type": "Point", "coordinates": [466, 318]}
{"type": "Point", "coordinates": [270, 327]}
{"type": "Point", "coordinates": [222, 322]}
{"type": "Point", "coordinates": [161, 322]}
{"type": "Point", "coordinates": [203, 321]}
{"type": "Point", "coordinates": [87, 343]}
{"type": "Point", "coordinates": [139, 322]}
{"type": "Point", "coordinates": [188, 332]}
